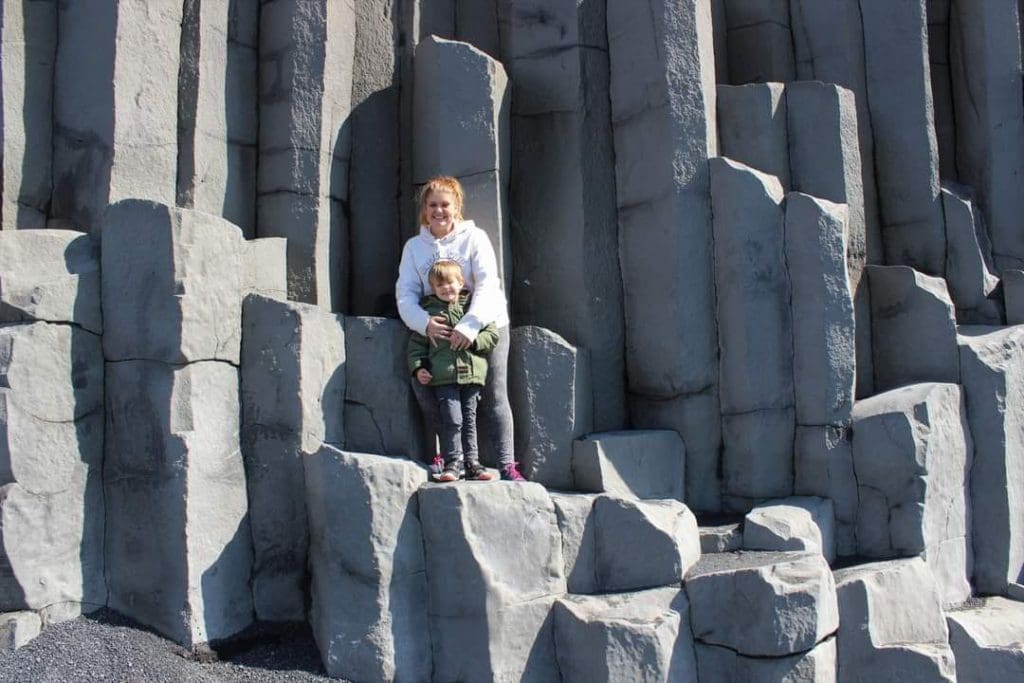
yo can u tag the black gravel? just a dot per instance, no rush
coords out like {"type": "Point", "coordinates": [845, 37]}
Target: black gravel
{"type": "Point", "coordinates": [105, 646]}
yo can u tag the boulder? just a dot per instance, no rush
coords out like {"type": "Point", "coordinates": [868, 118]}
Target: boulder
{"type": "Point", "coordinates": [723, 538]}
{"type": "Point", "coordinates": [822, 310]}
{"type": "Point", "coordinates": [912, 454]}
{"type": "Point", "coordinates": [798, 523]}
{"type": "Point", "coordinates": [369, 587]}
{"type": "Point", "coordinates": [492, 599]}
{"type": "Point", "coordinates": [576, 524]}
{"type": "Point", "coordinates": [549, 389]}
{"type": "Point", "coordinates": [759, 41]}
{"type": "Point", "coordinates": [891, 626]}
{"type": "Point", "coordinates": [51, 275]}
{"type": "Point", "coordinates": [636, 463]}
{"type": "Point", "coordinates": [752, 127]}
{"type": "Point", "coordinates": [722, 664]}
{"type": "Point", "coordinates": [762, 604]}
{"type": "Point", "coordinates": [664, 533]}
{"type": "Point", "coordinates": [986, 640]}
{"type": "Point", "coordinates": [17, 629]}
{"type": "Point", "coordinates": [178, 542]}
{"type": "Point", "coordinates": [992, 370]}
{"type": "Point", "coordinates": [823, 466]}
{"type": "Point", "coordinates": [642, 636]}
{"type": "Point", "coordinates": [191, 307]}
{"type": "Point", "coordinates": [913, 328]}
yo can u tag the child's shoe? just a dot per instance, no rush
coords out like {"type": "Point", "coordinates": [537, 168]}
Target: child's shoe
{"type": "Point", "coordinates": [510, 472]}
{"type": "Point", "coordinates": [436, 466]}
{"type": "Point", "coordinates": [477, 472]}
{"type": "Point", "coordinates": [452, 472]}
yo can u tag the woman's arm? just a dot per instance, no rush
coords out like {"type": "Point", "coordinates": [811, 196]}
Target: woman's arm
{"type": "Point", "coordinates": [487, 296]}
{"type": "Point", "coordinates": [408, 292]}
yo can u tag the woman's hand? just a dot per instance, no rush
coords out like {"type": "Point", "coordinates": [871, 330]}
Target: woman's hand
{"type": "Point", "coordinates": [458, 340]}
{"type": "Point", "coordinates": [437, 329]}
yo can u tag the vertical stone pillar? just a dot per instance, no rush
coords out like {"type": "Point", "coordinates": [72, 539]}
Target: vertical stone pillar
{"type": "Point", "coordinates": [28, 40]}
{"type": "Point", "coordinates": [461, 114]}
{"type": "Point", "coordinates": [112, 143]}
{"type": "Point", "coordinates": [759, 41]}
{"type": "Point", "coordinates": [942, 86]}
{"type": "Point", "coordinates": [662, 89]}
{"type": "Point", "coordinates": [564, 230]}
{"type": "Point", "coordinates": [306, 55]}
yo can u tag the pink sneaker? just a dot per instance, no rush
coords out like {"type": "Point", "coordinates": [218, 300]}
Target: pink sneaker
{"type": "Point", "coordinates": [511, 472]}
{"type": "Point", "coordinates": [436, 465]}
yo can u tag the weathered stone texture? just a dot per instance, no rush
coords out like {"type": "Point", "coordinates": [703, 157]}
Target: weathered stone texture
{"type": "Point", "coordinates": [912, 454]}
{"type": "Point", "coordinates": [724, 538]}
{"type": "Point", "coordinates": [369, 589]}
{"type": "Point", "coordinates": [798, 523]}
{"type": "Point", "coordinates": [266, 267]}
{"type": "Point", "coordinates": [549, 389]}
{"type": "Point", "coordinates": [191, 307]}
{"type": "Point", "coordinates": [968, 258]}
{"type": "Point", "coordinates": [823, 466]}
{"type": "Point", "coordinates": [891, 625]}
{"type": "Point", "coordinates": [722, 664]}
{"type": "Point", "coordinates": [178, 543]}
{"type": "Point", "coordinates": [17, 629]}
{"type": "Point", "coordinates": [1013, 295]}
{"type": "Point", "coordinates": [986, 640]}
{"type": "Point", "coordinates": [752, 127]}
{"type": "Point", "coordinates": [759, 41]}
{"type": "Point", "coordinates": [757, 456]}
{"type": "Point", "coordinates": [576, 524]}
{"type": "Point", "coordinates": [640, 463]}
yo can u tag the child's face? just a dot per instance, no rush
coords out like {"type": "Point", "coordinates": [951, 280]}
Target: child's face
{"type": "Point", "coordinates": [439, 210]}
{"type": "Point", "coordinates": [448, 291]}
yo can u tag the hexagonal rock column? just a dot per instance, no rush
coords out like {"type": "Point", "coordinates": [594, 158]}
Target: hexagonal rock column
{"type": "Point", "coordinates": [627, 636]}
{"type": "Point", "coordinates": [28, 40]}
{"type": "Point", "coordinates": [662, 91]}
{"type": "Point", "coordinates": [549, 389]}
{"type": "Point", "coordinates": [381, 415]}
{"type": "Point", "coordinates": [968, 259]}
{"type": "Point", "coordinates": [465, 133]}
{"type": "Point", "coordinates": [576, 524]}
{"type": "Point", "coordinates": [217, 110]}
{"type": "Point", "coordinates": [912, 454]}
{"type": "Point", "coordinates": [722, 664]}
{"type": "Point", "coordinates": [798, 523]}
{"type": "Point", "coordinates": [635, 463]}
{"type": "Point", "coordinates": [823, 466]}
{"type": "Point", "coordinates": [985, 60]}
{"type": "Point", "coordinates": [51, 275]}
{"type": "Point", "coordinates": [891, 626]}
{"type": "Point", "coordinates": [770, 605]}
{"type": "Point", "coordinates": [110, 143]}
{"type": "Point", "coordinates": [760, 44]}
{"type": "Point", "coordinates": [51, 450]}
{"type": "Point", "coordinates": [306, 56]}
{"type": "Point", "coordinates": [1013, 295]}
{"type": "Point", "coordinates": [562, 205]}
{"type": "Point", "coordinates": [494, 570]}
{"type": "Point", "coordinates": [369, 587]}
{"type": "Point", "coordinates": [913, 328]}
{"type": "Point", "coordinates": [986, 640]}
{"type": "Point", "coordinates": [752, 127]}
{"type": "Point", "coordinates": [178, 542]}
{"type": "Point", "coordinates": [191, 306]}
{"type": "Point", "coordinates": [266, 267]}
{"type": "Point", "coordinates": [755, 333]}
{"type": "Point", "coordinates": [992, 367]}
{"type": "Point", "coordinates": [293, 394]}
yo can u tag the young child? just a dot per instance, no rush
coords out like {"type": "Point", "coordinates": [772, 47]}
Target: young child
{"type": "Point", "coordinates": [456, 377]}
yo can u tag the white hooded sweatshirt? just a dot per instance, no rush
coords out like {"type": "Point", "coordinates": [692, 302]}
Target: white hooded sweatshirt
{"type": "Point", "coordinates": [470, 247]}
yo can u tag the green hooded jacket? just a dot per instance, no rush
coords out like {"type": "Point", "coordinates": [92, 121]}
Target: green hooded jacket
{"type": "Point", "coordinates": [447, 366]}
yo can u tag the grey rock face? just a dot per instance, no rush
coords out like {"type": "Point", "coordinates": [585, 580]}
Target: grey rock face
{"type": "Point", "coordinates": [968, 258]}
{"type": "Point", "coordinates": [757, 458]}
{"type": "Point", "coordinates": [565, 235]}
{"type": "Point", "coordinates": [724, 538]}
{"type": "Point", "coordinates": [798, 523]}
{"type": "Point", "coordinates": [752, 127]}
{"type": "Point", "coordinates": [380, 414]}
{"type": "Point", "coordinates": [891, 625]}
{"type": "Point", "coordinates": [266, 267]}
{"type": "Point", "coordinates": [822, 310]}
{"type": "Point", "coordinates": [762, 604]}
{"type": "Point", "coordinates": [114, 141]}
{"type": "Point", "coordinates": [899, 98]}
{"type": "Point", "coordinates": [369, 589]}
{"type": "Point", "coordinates": [985, 58]}
{"type": "Point", "coordinates": [306, 56]}
{"type": "Point", "coordinates": [549, 389]}
{"type": "Point", "coordinates": [641, 636]}
{"type": "Point", "coordinates": [28, 40]}
{"type": "Point", "coordinates": [17, 629]}
{"type": "Point", "coordinates": [913, 328]}
{"type": "Point", "coordinates": [912, 455]}
{"type": "Point", "coordinates": [986, 640]}
{"type": "Point", "coordinates": [990, 360]}
{"type": "Point", "coordinates": [1013, 295]}
{"type": "Point", "coordinates": [51, 275]}
{"type": "Point", "coordinates": [292, 394]}
{"type": "Point", "coordinates": [191, 307]}
{"type": "Point", "coordinates": [759, 41]}
{"type": "Point", "coordinates": [465, 134]}
{"type": "Point", "coordinates": [491, 599]}
{"type": "Point", "coordinates": [178, 543]}
{"type": "Point", "coordinates": [577, 526]}
{"type": "Point", "coordinates": [640, 463]}
{"type": "Point", "coordinates": [722, 664]}
{"type": "Point", "coordinates": [664, 533]}
{"type": "Point", "coordinates": [823, 466]}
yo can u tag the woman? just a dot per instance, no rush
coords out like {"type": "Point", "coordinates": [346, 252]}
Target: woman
{"type": "Point", "coordinates": [444, 235]}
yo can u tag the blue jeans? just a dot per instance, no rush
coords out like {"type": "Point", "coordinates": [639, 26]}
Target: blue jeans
{"type": "Point", "coordinates": [456, 411]}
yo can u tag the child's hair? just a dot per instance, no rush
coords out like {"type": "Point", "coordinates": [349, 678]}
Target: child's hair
{"type": "Point", "coordinates": [445, 271]}
{"type": "Point", "coordinates": [442, 183]}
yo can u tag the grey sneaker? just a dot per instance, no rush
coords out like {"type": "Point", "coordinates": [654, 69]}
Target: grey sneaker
{"type": "Point", "coordinates": [452, 471]}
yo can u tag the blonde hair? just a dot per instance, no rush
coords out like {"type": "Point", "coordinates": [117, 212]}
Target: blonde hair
{"type": "Point", "coordinates": [442, 183]}
{"type": "Point", "coordinates": [445, 271]}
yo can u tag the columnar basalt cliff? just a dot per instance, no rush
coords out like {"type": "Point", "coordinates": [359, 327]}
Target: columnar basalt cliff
{"type": "Point", "coordinates": [766, 368]}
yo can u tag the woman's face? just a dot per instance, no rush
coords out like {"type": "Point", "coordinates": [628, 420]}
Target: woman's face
{"type": "Point", "coordinates": [439, 209]}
